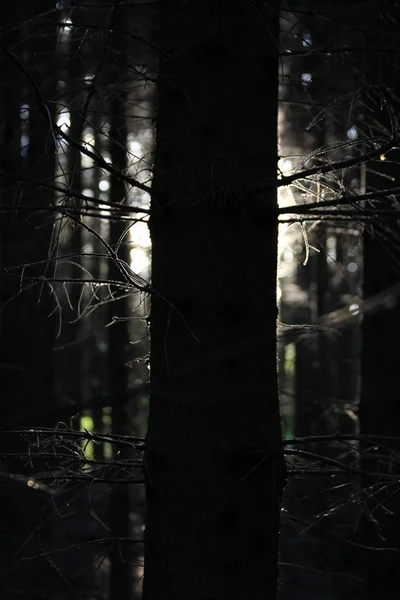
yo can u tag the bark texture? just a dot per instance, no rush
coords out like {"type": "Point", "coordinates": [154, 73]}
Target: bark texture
{"type": "Point", "coordinates": [214, 464]}
{"type": "Point", "coordinates": [379, 415]}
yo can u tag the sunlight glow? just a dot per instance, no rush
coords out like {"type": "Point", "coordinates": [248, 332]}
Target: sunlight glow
{"type": "Point", "coordinates": [64, 119]}
{"type": "Point", "coordinates": [140, 260]}
{"type": "Point", "coordinates": [307, 39]}
{"type": "Point", "coordinates": [104, 185]}
{"type": "Point", "coordinates": [331, 253]}
{"type": "Point", "coordinates": [352, 267]}
{"type": "Point", "coordinates": [147, 135]}
{"type": "Point", "coordinates": [68, 25]}
{"type": "Point", "coordinates": [285, 165]}
{"type": "Point", "coordinates": [63, 4]}
{"type": "Point", "coordinates": [352, 133]}
{"type": "Point", "coordinates": [286, 239]}
{"type": "Point", "coordinates": [65, 29]}
{"type": "Point", "coordinates": [354, 309]}
{"type": "Point", "coordinates": [135, 148]}
{"type": "Point", "coordinates": [86, 161]}
{"type": "Point", "coordinates": [87, 142]}
{"type": "Point", "coordinates": [288, 255]}
{"type": "Point", "coordinates": [24, 112]}
{"type": "Point", "coordinates": [139, 156]}
{"type": "Point", "coordinates": [31, 483]}
{"type": "Point", "coordinates": [144, 200]}
{"type": "Point", "coordinates": [88, 137]}
{"type": "Point", "coordinates": [140, 235]}
{"type": "Point", "coordinates": [306, 78]}
{"type": "Point", "coordinates": [24, 145]}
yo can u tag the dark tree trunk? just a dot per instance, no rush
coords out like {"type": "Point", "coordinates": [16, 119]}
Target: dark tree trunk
{"type": "Point", "coordinates": [380, 396]}
{"type": "Point", "coordinates": [118, 352]}
{"type": "Point", "coordinates": [28, 330]}
{"type": "Point", "coordinates": [380, 415]}
{"type": "Point", "coordinates": [214, 464]}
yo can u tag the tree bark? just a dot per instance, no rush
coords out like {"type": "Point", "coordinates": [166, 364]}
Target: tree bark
{"type": "Point", "coordinates": [214, 463]}
{"type": "Point", "coordinates": [121, 581]}
{"type": "Point", "coordinates": [379, 415]}
{"type": "Point", "coordinates": [27, 332]}
{"type": "Point", "coordinates": [379, 404]}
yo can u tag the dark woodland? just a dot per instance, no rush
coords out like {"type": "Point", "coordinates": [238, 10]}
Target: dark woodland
{"type": "Point", "coordinates": [199, 299]}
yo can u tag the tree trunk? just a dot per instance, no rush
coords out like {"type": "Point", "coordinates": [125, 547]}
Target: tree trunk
{"type": "Point", "coordinates": [214, 463]}
{"type": "Point", "coordinates": [121, 583]}
{"type": "Point", "coordinates": [379, 415]}
{"type": "Point", "coordinates": [379, 404]}
{"type": "Point", "coordinates": [27, 331]}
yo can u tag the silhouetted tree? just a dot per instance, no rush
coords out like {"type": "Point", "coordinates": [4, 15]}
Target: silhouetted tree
{"type": "Point", "coordinates": [380, 407]}
{"type": "Point", "coordinates": [213, 459]}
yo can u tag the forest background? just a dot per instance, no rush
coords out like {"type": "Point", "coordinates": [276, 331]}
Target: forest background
{"type": "Point", "coordinates": [150, 153]}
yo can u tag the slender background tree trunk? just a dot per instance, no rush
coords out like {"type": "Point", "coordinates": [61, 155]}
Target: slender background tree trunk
{"type": "Point", "coordinates": [118, 350]}
{"type": "Point", "coordinates": [27, 149]}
